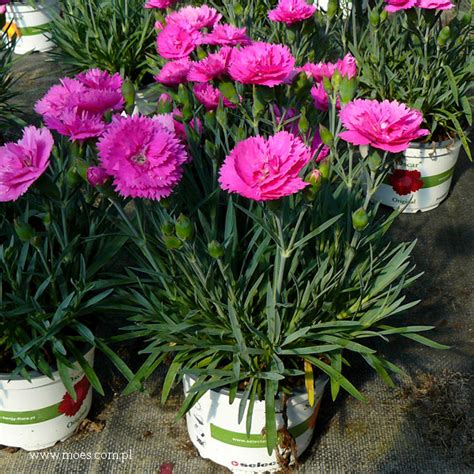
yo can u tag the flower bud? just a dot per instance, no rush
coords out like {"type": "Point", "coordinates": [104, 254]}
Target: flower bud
{"type": "Point", "coordinates": [315, 179]}
{"type": "Point", "coordinates": [96, 176]}
{"type": "Point", "coordinates": [466, 18]}
{"type": "Point", "coordinates": [183, 95]}
{"type": "Point", "coordinates": [302, 86]}
{"type": "Point", "coordinates": [215, 249]}
{"type": "Point", "coordinates": [326, 136]}
{"type": "Point", "coordinates": [47, 219]}
{"type": "Point", "coordinates": [374, 17]}
{"type": "Point", "coordinates": [290, 35]}
{"type": "Point", "coordinates": [165, 104]}
{"type": "Point", "coordinates": [383, 15]}
{"type": "Point", "coordinates": [238, 9]}
{"type": "Point", "coordinates": [72, 177]}
{"type": "Point", "coordinates": [309, 194]}
{"type": "Point", "coordinates": [303, 124]}
{"type": "Point", "coordinates": [221, 117]}
{"type": "Point", "coordinates": [444, 35]}
{"type": "Point", "coordinates": [210, 120]}
{"type": "Point", "coordinates": [360, 220]}
{"type": "Point", "coordinates": [23, 230]}
{"type": "Point", "coordinates": [348, 89]}
{"type": "Point", "coordinates": [184, 227]}
{"type": "Point", "coordinates": [333, 7]}
{"type": "Point", "coordinates": [128, 92]}
{"type": "Point", "coordinates": [375, 161]}
{"type": "Point", "coordinates": [327, 85]}
{"type": "Point", "coordinates": [172, 242]}
{"type": "Point", "coordinates": [325, 168]}
{"type": "Point", "coordinates": [167, 228]}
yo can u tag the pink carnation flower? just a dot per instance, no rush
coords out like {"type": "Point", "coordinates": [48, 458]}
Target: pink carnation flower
{"type": "Point", "coordinates": [390, 126]}
{"type": "Point", "coordinates": [214, 65]}
{"type": "Point", "coordinates": [102, 80]}
{"type": "Point", "coordinates": [162, 4]}
{"type": "Point", "coordinates": [196, 17]}
{"type": "Point", "coordinates": [396, 5]}
{"type": "Point", "coordinates": [144, 158]}
{"type": "Point", "coordinates": [22, 163]}
{"type": "Point", "coordinates": [89, 92]}
{"type": "Point", "coordinates": [75, 124]}
{"type": "Point", "coordinates": [262, 63]}
{"type": "Point", "coordinates": [174, 72]}
{"type": "Point", "coordinates": [209, 96]}
{"type": "Point", "coordinates": [96, 176]}
{"type": "Point", "coordinates": [434, 4]}
{"type": "Point", "coordinates": [291, 11]}
{"type": "Point", "coordinates": [263, 169]}
{"type": "Point", "coordinates": [317, 144]}
{"type": "Point", "coordinates": [347, 66]}
{"type": "Point", "coordinates": [227, 35]}
{"type": "Point", "coordinates": [321, 99]}
{"type": "Point", "coordinates": [177, 41]}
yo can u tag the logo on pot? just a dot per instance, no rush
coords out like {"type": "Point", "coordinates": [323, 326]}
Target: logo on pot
{"type": "Point", "coordinates": [258, 464]}
{"type": "Point", "coordinates": [68, 406]}
{"type": "Point", "coordinates": [405, 182]}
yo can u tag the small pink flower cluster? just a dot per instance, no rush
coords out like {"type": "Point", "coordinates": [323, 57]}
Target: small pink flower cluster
{"type": "Point", "coordinates": [76, 107]}
{"type": "Point", "coordinates": [396, 5]}
{"type": "Point", "coordinates": [346, 66]}
{"type": "Point", "coordinates": [238, 58]}
{"type": "Point", "coordinates": [291, 11]}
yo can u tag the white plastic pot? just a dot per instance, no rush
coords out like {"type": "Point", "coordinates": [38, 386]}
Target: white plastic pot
{"type": "Point", "coordinates": [214, 429]}
{"type": "Point", "coordinates": [435, 163]}
{"type": "Point", "coordinates": [37, 414]}
{"type": "Point", "coordinates": [31, 25]}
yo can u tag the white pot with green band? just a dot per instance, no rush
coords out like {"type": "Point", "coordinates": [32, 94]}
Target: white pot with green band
{"type": "Point", "coordinates": [30, 25]}
{"type": "Point", "coordinates": [37, 414]}
{"type": "Point", "coordinates": [428, 168]}
{"type": "Point", "coordinates": [216, 433]}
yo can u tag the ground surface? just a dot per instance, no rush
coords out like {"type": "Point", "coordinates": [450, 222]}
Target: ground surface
{"type": "Point", "coordinates": [425, 425]}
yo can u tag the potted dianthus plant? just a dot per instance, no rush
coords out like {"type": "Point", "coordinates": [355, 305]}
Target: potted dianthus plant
{"type": "Point", "coordinates": [419, 53]}
{"type": "Point", "coordinates": [259, 255]}
{"type": "Point", "coordinates": [29, 21]}
{"type": "Point", "coordinates": [56, 253]}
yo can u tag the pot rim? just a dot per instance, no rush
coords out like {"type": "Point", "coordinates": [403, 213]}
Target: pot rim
{"type": "Point", "coordinates": [450, 143]}
{"type": "Point", "coordinates": [16, 7]}
{"type": "Point", "coordinates": [38, 376]}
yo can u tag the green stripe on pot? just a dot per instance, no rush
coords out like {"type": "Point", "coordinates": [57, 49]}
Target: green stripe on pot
{"type": "Point", "coordinates": [34, 30]}
{"type": "Point", "coordinates": [29, 417]}
{"type": "Point", "coordinates": [431, 181]}
{"type": "Point", "coordinates": [436, 180]}
{"type": "Point", "coordinates": [243, 440]}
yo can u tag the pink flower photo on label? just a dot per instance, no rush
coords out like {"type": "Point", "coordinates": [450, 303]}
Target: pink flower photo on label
{"type": "Point", "coordinates": [291, 11]}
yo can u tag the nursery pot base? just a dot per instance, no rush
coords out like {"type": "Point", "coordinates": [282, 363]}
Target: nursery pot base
{"type": "Point", "coordinates": [38, 414]}
{"type": "Point", "coordinates": [214, 429]}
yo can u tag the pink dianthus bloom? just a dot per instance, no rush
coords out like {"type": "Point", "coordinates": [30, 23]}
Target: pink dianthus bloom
{"type": "Point", "coordinates": [22, 163]}
{"type": "Point", "coordinates": [177, 41]}
{"type": "Point", "coordinates": [210, 97]}
{"type": "Point", "coordinates": [434, 4]}
{"type": "Point", "coordinates": [174, 72]}
{"type": "Point", "coordinates": [214, 65]}
{"type": "Point", "coordinates": [396, 5]}
{"type": "Point", "coordinates": [317, 145]}
{"type": "Point", "coordinates": [291, 11]}
{"type": "Point", "coordinates": [321, 99]}
{"type": "Point", "coordinates": [162, 4]}
{"type": "Point", "coordinates": [227, 35]}
{"type": "Point", "coordinates": [143, 157]}
{"type": "Point", "coordinates": [347, 66]}
{"type": "Point", "coordinates": [263, 64]}
{"type": "Point", "coordinates": [263, 169]}
{"type": "Point", "coordinates": [102, 80]}
{"type": "Point", "coordinates": [389, 126]}
{"type": "Point", "coordinates": [196, 17]}
{"type": "Point", "coordinates": [96, 176]}
{"type": "Point", "coordinates": [75, 124]}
